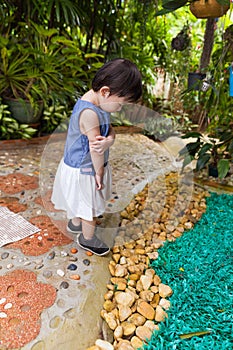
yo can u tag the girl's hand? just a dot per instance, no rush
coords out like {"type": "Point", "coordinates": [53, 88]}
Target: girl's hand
{"type": "Point", "coordinates": [101, 144]}
{"type": "Point", "coordinates": [99, 182]}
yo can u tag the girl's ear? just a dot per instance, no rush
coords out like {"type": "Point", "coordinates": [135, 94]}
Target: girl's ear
{"type": "Point", "coordinates": [105, 91]}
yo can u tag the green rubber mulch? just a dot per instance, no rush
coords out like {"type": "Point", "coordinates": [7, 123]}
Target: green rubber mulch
{"type": "Point", "coordinates": [199, 268]}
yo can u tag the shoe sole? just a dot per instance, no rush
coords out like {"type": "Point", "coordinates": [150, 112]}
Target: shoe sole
{"type": "Point", "coordinates": [90, 250]}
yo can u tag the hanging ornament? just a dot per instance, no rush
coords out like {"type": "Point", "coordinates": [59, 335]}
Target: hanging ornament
{"type": "Point", "coordinates": [208, 9]}
{"type": "Point", "coordinates": [182, 40]}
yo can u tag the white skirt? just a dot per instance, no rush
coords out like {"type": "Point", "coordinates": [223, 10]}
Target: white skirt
{"type": "Point", "coordinates": [76, 193]}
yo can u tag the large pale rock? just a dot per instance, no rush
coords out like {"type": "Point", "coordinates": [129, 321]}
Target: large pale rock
{"type": "Point", "coordinates": [120, 270]}
{"type": "Point", "coordinates": [145, 310]}
{"type": "Point", "coordinates": [108, 305]}
{"type": "Point", "coordinates": [151, 325]}
{"type": "Point", "coordinates": [104, 345]}
{"type": "Point", "coordinates": [118, 333]}
{"type": "Point", "coordinates": [136, 342]}
{"type": "Point", "coordinates": [165, 304]}
{"type": "Point", "coordinates": [124, 345]}
{"type": "Point", "coordinates": [143, 332]}
{"type": "Point", "coordinates": [124, 298]}
{"type": "Point", "coordinates": [124, 312]}
{"type": "Point", "coordinates": [146, 295]}
{"type": "Point", "coordinates": [137, 319]}
{"type": "Point", "coordinates": [116, 257]}
{"type": "Point", "coordinates": [157, 280]}
{"type": "Point", "coordinates": [146, 281]}
{"type": "Point", "coordinates": [128, 328]}
{"type": "Point", "coordinates": [160, 314]}
{"type": "Point", "coordinates": [164, 290]}
{"type": "Point", "coordinates": [111, 321]}
{"type": "Point", "coordinates": [153, 255]}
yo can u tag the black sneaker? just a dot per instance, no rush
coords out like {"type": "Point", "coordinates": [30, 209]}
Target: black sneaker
{"type": "Point", "coordinates": [94, 245]}
{"type": "Point", "coordinates": [73, 228]}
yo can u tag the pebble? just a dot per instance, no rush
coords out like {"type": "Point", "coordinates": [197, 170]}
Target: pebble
{"type": "Point", "coordinates": [89, 253]}
{"type": "Point", "coordinates": [73, 250]}
{"type": "Point", "coordinates": [51, 255]}
{"type": "Point", "coordinates": [4, 255]}
{"type": "Point", "coordinates": [9, 266]}
{"type": "Point", "coordinates": [72, 267]}
{"type": "Point", "coordinates": [3, 315]}
{"type": "Point", "coordinates": [47, 274]}
{"type": "Point", "coordinates": [8, 306]}
{"type": "Point", "coordinates": [73, 258]}
{"type": "Point", "coordinates": [86, 262]}
{"type": "Point", "coordinates": [64, 285]}
{"type": "Point", "coordinates": [60, 273]}
{"type": "Point", "coordinates": [75, 277]}
{"type": "Point", "coordinates": [63, 253]}
{"type": "Point", "coordinates": [38, 267]}
{"type": "Point", "coordinates": [2, 300]}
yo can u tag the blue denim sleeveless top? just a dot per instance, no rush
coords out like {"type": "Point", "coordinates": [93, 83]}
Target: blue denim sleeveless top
{"type": "Point", "coordinates": [77, 153]}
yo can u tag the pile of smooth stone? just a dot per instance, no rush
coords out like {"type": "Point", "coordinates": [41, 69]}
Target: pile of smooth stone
{"type": "Point", "coordinates": [136, 299]}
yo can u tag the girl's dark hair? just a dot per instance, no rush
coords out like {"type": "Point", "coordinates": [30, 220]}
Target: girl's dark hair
{"type": "Point", "coordinates": [122, 77]}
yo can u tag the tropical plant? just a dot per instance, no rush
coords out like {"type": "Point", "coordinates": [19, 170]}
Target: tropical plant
{"type": "Point", "coordinates": [55, 118]}
{"type": "Point", "coordinates": [207, 150]}
{"type": "Point", "coordinates": [10, 128]}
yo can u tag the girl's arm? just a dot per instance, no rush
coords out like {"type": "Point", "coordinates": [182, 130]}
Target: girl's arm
{"type": "Point", "coordinates": [89, 125]}
{"type": "Point", "coordinates": [102, 143]}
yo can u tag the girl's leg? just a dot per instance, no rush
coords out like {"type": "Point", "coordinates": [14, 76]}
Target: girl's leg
{"type": "Point", "coordinates": [89, 241]}
{"type": "Point", "coordinates": [76, 221]}
{"type": "Point", "coordinates": [88, 228]}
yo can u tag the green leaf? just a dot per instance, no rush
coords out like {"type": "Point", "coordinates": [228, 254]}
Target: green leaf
{"type": "Point", "coordinates": [226, 136]}
{"type": "Point", "coordinates": [204, 149]}
{"type": "Point", "coordinates": [187, 160]}
{"type": "Point", "coordinates": [173, 5]}
{"type": "Point", "coordinates": [223, 167]}
{"type": "Point", "coordinates": [230, 148]}
{"type": "Point", "coordinates": [202, 161]}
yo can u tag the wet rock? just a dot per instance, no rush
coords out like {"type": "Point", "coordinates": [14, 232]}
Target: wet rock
{"type": "Point", "coordinates": [71, 313]}
{"type": "Point", "coordinates": [55, 322]}
{"type": "Point", "coordinates": [4, 255]}
{"type": "Point", "coordinates": [60, 273]}
{"type": "Point", "coordinates": [51, 255]}
{"type": "Point", "coordinates": [86, 262]}
{"type": "Point", "coordinates": [47, 274]}
{"type": "Point", "coordinates": [64, 285]}
{"type": "Point", "coordinates": [72, 267]}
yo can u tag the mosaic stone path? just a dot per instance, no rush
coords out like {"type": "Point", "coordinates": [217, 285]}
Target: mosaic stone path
{"type": "Point", "coordinates": [64, 279]}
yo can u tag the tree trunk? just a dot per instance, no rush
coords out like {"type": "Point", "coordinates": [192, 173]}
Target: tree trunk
{"type": "Point", "coordinates": [208, 44]}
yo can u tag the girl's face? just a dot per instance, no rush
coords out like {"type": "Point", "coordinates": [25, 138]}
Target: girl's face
{"type": "Point", "coordinates": [113, 104]}
{"type": "Point", "coordinates": [110, 103]}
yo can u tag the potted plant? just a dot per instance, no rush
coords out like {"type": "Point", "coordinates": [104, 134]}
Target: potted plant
{"type": "Point", "coordinates": [217, 153]}
{"type": "Point", "coordinates": [31, 74]}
